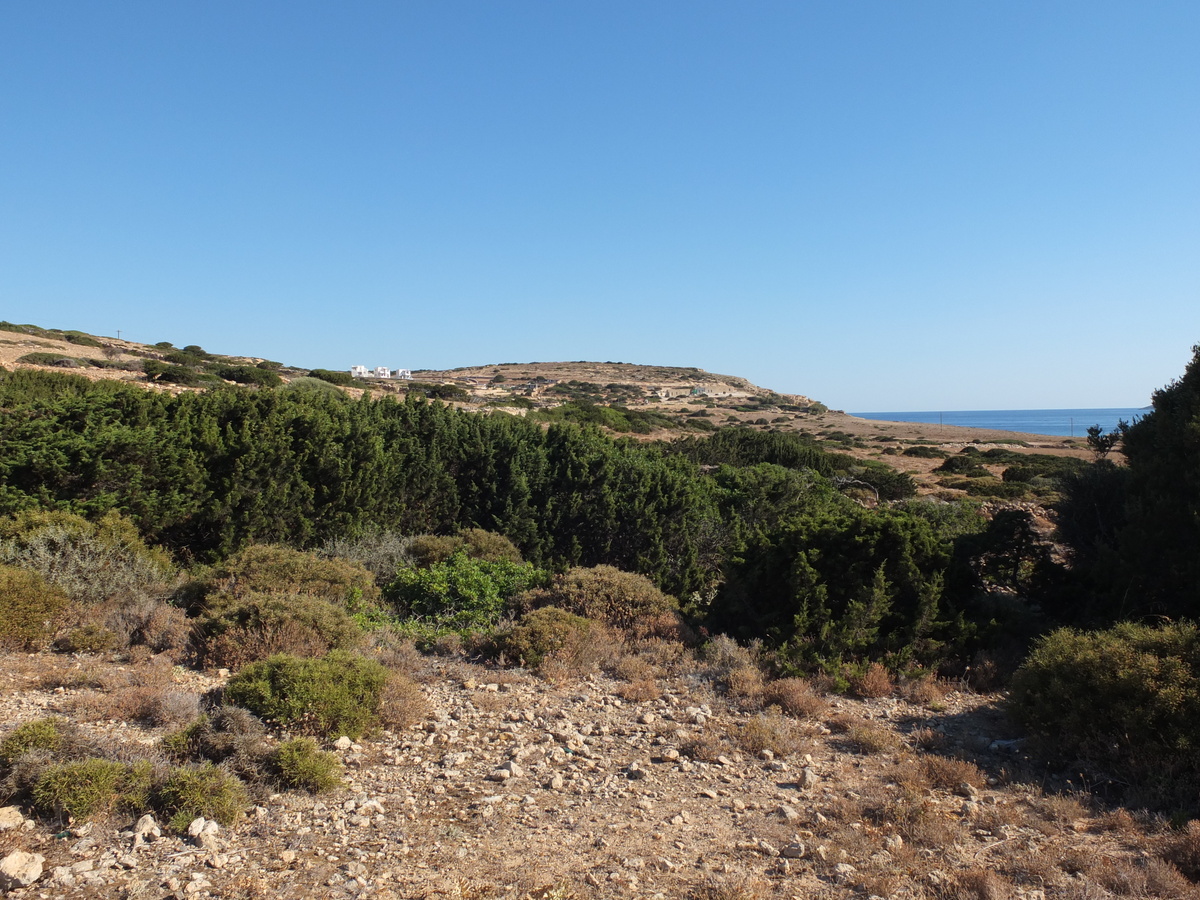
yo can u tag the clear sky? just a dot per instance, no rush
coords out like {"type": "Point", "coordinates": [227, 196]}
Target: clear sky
{"type": "Point", "coordinates": [882, 205]}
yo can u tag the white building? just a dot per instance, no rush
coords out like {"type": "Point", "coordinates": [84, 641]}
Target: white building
{"type": "Point", "coordinates": [405, 374]}
{"type": "Point", "coordinates": [359, 372]}
{"type": "Point", "coordinates": [383, 372]}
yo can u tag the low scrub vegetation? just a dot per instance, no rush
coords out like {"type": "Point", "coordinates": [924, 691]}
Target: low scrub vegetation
{"type": "Point", "coordinates": [337, 694]}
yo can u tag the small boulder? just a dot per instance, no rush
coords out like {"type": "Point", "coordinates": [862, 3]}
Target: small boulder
{"type": "Point", "coordinates": [10, 818]}
{"type": "Point", "coordinates": [20, 869]}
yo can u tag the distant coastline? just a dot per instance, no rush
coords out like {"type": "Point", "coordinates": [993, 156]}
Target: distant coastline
{"type": "Point", "coordinates": [1053, 422]}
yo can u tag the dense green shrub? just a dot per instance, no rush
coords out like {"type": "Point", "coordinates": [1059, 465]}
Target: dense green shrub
{"type": "Point", "coordinates": [29, 608]}
{"type": "Point", "coordinates": [967, 466]}
{"type": "Point", "coordinates": [460, 592]}
{"type": "Point", "coordinates": [40, 734]}
{"type": "Point", "coordinates": [40, 358]}
{"type": "Point", "coordinates": [305, 384]}
{"type": "Point", "coordinates": [249, 375]}
{"type": "Point", "coordinates": [426, 549]}
{"type": "Point", "coordinates": [547, 632]}
{"type": "Point", "coordinates": [169, 374]}
{"type": "Point", "coordinates": [227, 734]}
{"type": "Point", "coordinates": [337, 694]}
{"type": "Point", "coordinates": [238, 630]}
{"type": "Point", "coordinates": [330, 376]}
{"type": "Point", "coordinates": [299, 764]}
{"type": "Point", "coordinates": [205, 790]}
{"type": "Point", "coordinates": [79, 789]}
{"type": "Point", "coordinates": [1128, 696]}
{"type": "Point", "coordinates": [273, 569]}
{"type": "Point", "coordinates": [623, 600]}
{"type": "Point", "coordinates": [925, 452]}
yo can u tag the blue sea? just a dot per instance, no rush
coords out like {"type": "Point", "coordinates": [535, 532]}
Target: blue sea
{"type": "Point", "coordinates": [1056, 422]}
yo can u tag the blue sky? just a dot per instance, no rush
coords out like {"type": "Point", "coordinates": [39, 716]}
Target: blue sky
{"type": "Point", "coordinates": [918, 205]}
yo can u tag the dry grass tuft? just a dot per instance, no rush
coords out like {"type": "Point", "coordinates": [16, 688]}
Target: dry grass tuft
{"type": "Point", "coordinates": [949, 774]}
{"type": "Point", "coordinates": [869, 738]}
{"type": "Point", "coordinates": [1182, 850]}
{"type": "Point", "coordinates": [978, 884]}
{"type": "Point", "coordinates": [402, 703]}
{"type": "Point", "coordinates": [874, 683]}
{"type": "Point", "coordinates": [704, 745]}
{"type": "Point", "coordinates": [796, 697]}
{"type": "Point", "coordinates": [728, 889]}
{"type": "Point", "coordinates": [772, 731]}
{"type": "Point", "coordinates": [745, 684]}
{"type": "Point", "coordinates": [641, 691]}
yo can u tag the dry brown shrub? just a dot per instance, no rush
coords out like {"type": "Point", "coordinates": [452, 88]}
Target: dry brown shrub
{"type": "Point", "coordinates": [669, 656]}
{"type": "Point", "coordinates": [1127, 879]}
{"type": "Point", "coordinates": [1120, 820]}
{"type": "Point", "coordinates": [449, 644]}
{"type": "Point", "coordinates": [642, 691]}
{"type": "Point", "coordinates": [402, 703]}
{"type": "Point", "coordinates": [874, 683]}
{"type": "Point", "coordinates": [984, 674]}
{"type": "Point", "coordinates": [772, 731]}
{"type": "Point", "coordinates": [1182, 850]}
{"type": "Point", "coordinates": [948, 773]}
{"type": "Point", "coordinates": [1063, 809]}
{"type": "Point", "coordinates": [745, 684]}
{"type": "Point", "coordinates": [928, 739]}
{"type": "Point", "coordinates": [978, 884]}
{"type": "Point", "coordinates": [868, 738]}
{"type": "Point", "coordinates": [705, 745]}
{"type": "Point", "coordinates": [796, 697]}
{"type": "Point", "coordinates": [1164, 880]}
{"type": "Point", "coordinates": [153, 704]}
{"type": "Point", "coordinates": [634, 667]}
{"type": "Point", "coordinates": [240, 646]}
{"type": "Point", "coordinates": [714, 888]}
{"type": "Point", "coordinates": [923, 690]}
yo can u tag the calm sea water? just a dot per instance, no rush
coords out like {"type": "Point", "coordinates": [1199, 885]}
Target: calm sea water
{"type": "Point", "coordinates": [1057, 422]}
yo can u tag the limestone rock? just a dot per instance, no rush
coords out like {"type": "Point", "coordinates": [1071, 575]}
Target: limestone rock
{"type": "Point", "coordinates": [20, 869]}
{"type": "Point", "coordinates": [10, 818]}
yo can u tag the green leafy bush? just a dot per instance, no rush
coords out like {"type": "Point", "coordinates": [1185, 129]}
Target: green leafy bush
{"type": "Point", "coordinates": [28, 608]}
{"type": "Point", "coordinates": [337, 694]}
{"type": "Point", "coordinates": [461, 592]}
{"type": "Point", "coordinates": [1127, 696]}
{"type": "Point", "coordinates": [205, 790]}
{"type": "Point", "coordinates": [300, 765]}
{"type": "Point", "coordinates": [621, 599]}
{"type": "Point", "coordinates": [79, 789]}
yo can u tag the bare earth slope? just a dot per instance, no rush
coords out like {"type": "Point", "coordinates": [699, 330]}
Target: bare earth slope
{"type": "Point", "coordinates": [517, 787]}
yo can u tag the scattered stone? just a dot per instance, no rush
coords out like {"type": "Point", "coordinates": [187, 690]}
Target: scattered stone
{"type": "Point", "coordinates": [788, 813]}
{"type": "Point", "coordinates": [843, 872]}
{"type": "Point", "coordinates": [808, 779]}
{"type": "Point", "coordinates": [343, 743]}
{"type": "Point", "coordinates": [893, 842]}
{"type": "Point", "coordinates": [20, 869]}
{"type": "Point", "coordinates": [10, 818]}
{"type": "Point", "coordinates": [146, 829]}
{"type": "Point", "coordinates": [794, 850]}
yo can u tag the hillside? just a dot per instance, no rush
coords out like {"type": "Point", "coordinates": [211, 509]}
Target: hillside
{"type": "Point", "coordinates": [657, 402]}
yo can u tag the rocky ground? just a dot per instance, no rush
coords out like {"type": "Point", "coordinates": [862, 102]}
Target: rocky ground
{"type": "Point", "coordinates": [513, 786]}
